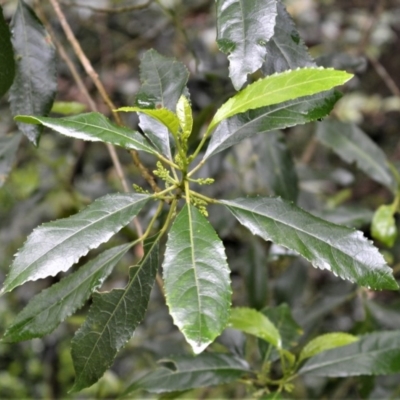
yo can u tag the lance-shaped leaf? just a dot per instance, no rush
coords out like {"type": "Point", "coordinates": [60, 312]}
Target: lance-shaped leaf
{"type": "Point", "coordinates": [279, 116]}
{"type": "Point", "coordinates": [344, 251]}
{"type": "Point", "coordinates": [49, 308]}
{"type": "Point", "coordinates": [352, 145]}
{"type": "Point", "coordinates": [207, 369]}
{"type": "Point", "coordinates": [326, 342]}
{"type": "Point", "coordinates": [286, 49]}
{"type": "Point", "coordinates": [56, 246]}
{"type": "Point", "coordinates": [243, 29]}
{"type": "Point", "coordinates": [255, 323]}
{"type": "Point", "coordinates": [112, 320]}
{"type": "Point", "coordinates": [35, 82]}
{"type": "Point", "coordinates": [374, 354]}
{"type": "Point", "coordinates": [184, 114]}
{"type": "Point", "coordinates": [94, 127]}
{"type": "Point", "coordinates": [8, 148]}
{"type": "Point", "coordinates": [7, 64]}
{"type": "Point", "coordinates": [196, 276]}
{"type": "Point", "coordinates": [278, 88]}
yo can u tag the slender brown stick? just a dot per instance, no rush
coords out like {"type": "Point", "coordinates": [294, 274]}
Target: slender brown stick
{"type": "Point", "coordinates": [382, 72]}
{"type": "Point", "coordinates": [107, 10]}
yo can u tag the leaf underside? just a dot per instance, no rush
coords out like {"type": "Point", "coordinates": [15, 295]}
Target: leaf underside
{"type": "Point", "coordinates": [7, 64]}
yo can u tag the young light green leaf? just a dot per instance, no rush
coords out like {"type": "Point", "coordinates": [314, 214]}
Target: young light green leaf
{"type": "Point", "coordinates": [383, 226]}
{"type": "Point", "coordinates": [207, 369]}
{"type": "Point", "coordinates": [374, 354]}
{"type": "Point", "coordinates": [112, 320]}
{"type": "Point", "coordinates": [278, 88]}
{"type": "Point", "coordinates": [243, 29]}
{"type": "Point", "coordinates": [8, 148]}
{"type": "Point", "coordinates": [344, 251]}
{"type": "Point", "coordinates": [7, 63]}
{"type": "Point", "coordinates": [163, 115]}
{"type": "Point", "coordinates": [326, 342]}
{"type": "Point", "coordinates": [49, 308]}
{"type": "Point", "coordinates": [35, 82]}
{"type": "Point", "coordinates": [196, 276]}
{"type": "Point", "coordinates": [56, 246]}
{"type": "Point", "coordinates": [255, 323]}
{"type": "Point", "coordinates": [352, 145]}
{"type": "Point", "coordinates": [279, 116]}
{"type": "Point", "coordinates": [184, 114]}
{"type": "Point", "coordinates": [94, 127]}
{"type": "Point", "coordinates": [68, 107]}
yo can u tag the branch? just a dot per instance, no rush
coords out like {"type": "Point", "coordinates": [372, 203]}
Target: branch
{"type": "Point", "coordinates": [107, 10]}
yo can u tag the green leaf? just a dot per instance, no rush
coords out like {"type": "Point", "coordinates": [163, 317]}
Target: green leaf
{"type": "Point", "coordinates": [278, 88]}
{"type": "Point", "coordinates": [383, 226]}
{"type": "Point", "coordinates": [7, 63]}
{"type": "Point", "coordinates": [344, 251]}
{"type": "Point", "coordinates": [286, 49]}
{"type": "Point", "coordinates": [243, 29]}
{"type": "Point", "coordinates": [35, 82]}
{"type": "Point", "coordinates": [8, 148]}
{"type": "Point", "coordinates": [326, 342]}
{"type": "Point", "coordinates": [163, 115]}
{"type": "Point", "coordinates": [112, 320]}
{"type": "Point", "coordinates": [279, 116]}
{"type": "Point", "coordinates": [348, 216]}
{"type": "Point", "coordinates": [94, 127]}
{"type": "Point", "coordinates": [68, 107]}
{"type": "Point", "coordinates": [207, 369]}
{"type": "Point", "coordinates": [352, 145]}
{"type": "Point", "coordinates": [56, 246]}
{"type": "Point", "coordinates": [196, 276]}
{"type": "Point", "coordinates": [255, 323]}
{"type": "Point", "coordinates": [374, 354]}
{"type": "Point", "coordinates": [49, 308]}
{"type": "Point", "coordinates": [184, 114]}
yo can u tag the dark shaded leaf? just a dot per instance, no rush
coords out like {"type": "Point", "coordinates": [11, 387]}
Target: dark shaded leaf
{"type": "Point", "coordinates": [207, 369]}
{"type": "Point", "coordinates": [94, 127]}
{"type": "Point", "coordinates": [352, 145]}
{"type": "Point", "coordinates": [8, 148]}
{"type": "Point", "coordinates": [196, 276]}
{"type": "Point", "coordinates": [387, 316]}
{"type": "Point", "coordinates": [49, 308]}
{"type": "Point", "coordinates": [56, 246]}
{"type": "Point", "coordinates": [7, 63]}
{"type": "Point", "coordinates": [112, 320]}
{"type": "Point", "coordinates": [383, 226]}
{"type": "Point", "coordinates": [35, 83]}
{"type": "Point", "coordinates": [345, 252]}
{"type": "Point", "coordinates": [348, 216]}
{"type": "Point", "coordinates": [374, 354]}
{"type": "Point", "coordinates": [243, 29]}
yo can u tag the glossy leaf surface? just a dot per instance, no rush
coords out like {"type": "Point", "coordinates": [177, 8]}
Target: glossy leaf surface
{"type": "Point", "coordinates": [196, 276]}
{"type": "Point", "coordinates": [112, 320]}
{"type": "Point", "coordinates": [7, 64]}
{"type": "Point", "coordinates": [326, 342]}
{"type": "Point", "coordinates": [35, 82]}
{"type": "Point", "coordinates": [8, 148]}
{"type": "Point", "coordinates": [243, 29]}
{"type": "Point", "coordinates": [383, 226]}
{"type": "Point", "coordinates": [184, 114]}
{"type": "Point", "coordinates": [207, 369]}
{"type": "Point", "coordinates": [56, 246]}
{"type": "Point", "coordinates": [262, 120]}
{"type": "Point", "coordinates": [94, 127]}
{"type": "Point", "coordinates": [374, 354]}
{"type": "Point", "coordinates": [255, 323]}
{"type": "Point", "coordinates": [352, 145]}
{"type": "Point", "coordinates": [49, 308]}
{"type": "Point", "coordinates": [344, 251]}
{"type": "Point", "coordinates": [278, 88]}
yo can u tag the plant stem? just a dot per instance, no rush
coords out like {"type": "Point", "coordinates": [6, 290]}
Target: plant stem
{"type": "Point", "coordinates": [115, 10]}
{"type": "Point", "coordinates": [202, 197]}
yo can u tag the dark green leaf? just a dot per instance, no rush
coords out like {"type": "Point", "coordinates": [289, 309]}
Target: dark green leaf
{"type": "Point", "coordinates": [93, 127]}
{"type": "Point", "coordinates": [7, 64]}
{"type": "Point", "coordinates": [374, 354]}
{"type": "Point", "coordinates": [8, 148]}
{"type": "Point", "coordinates": [196, 276]}
{"type": "Point", "coordinates": [387, 316]}
{"type": "Point", "coordinates": [353, 145]}
{"type": "Point", "coordinates": [345, 252]}
{"type": "Point", "coordinates": [48, 309]}
{"type": "Point", "coordinates": [383, 226]}
{"type": "Point", "coordinates": [56, 246]}
{"type": "Point", "coordinates": [35, 82]}
{"type": "Point", "coordinates": [279, 116]}
{"type": "Point", "coordinates": [207, 369]}
{"type": "Point", "coordinates": [243, 29]}
{"type": "Point", "coordinates": [112, 320]}
{"type": "Point", "coordinates": [348, 216]}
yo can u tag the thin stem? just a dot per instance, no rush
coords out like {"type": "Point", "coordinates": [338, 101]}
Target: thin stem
{"type": "Point", "coordinates": [168, 162]}
{"type": "Point", "coordinates": [153, 220]}
{"type": "Point", "coordinates": [196, 168]}
{"type": "Point", "coordinates": [202, 197]}
{"type": "Point", "coordinates": [187, 191]}
{"type": "Point", "coordinates": [159, 194]}
{"type": "Point", "coordinates": [110, 10]}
